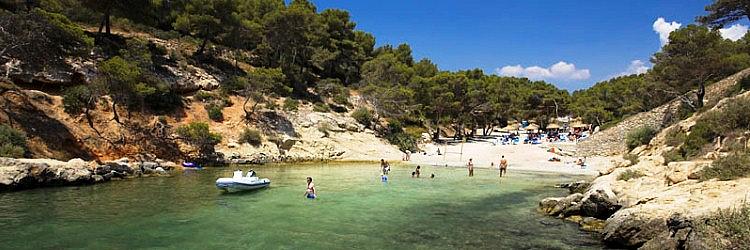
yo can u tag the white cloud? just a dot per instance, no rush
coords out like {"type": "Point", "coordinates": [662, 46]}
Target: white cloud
{"type": "Point", "coordinates": [559, 71]}
{"type": "Point", "coordinates": [734, 33]}
{"type": "Point", "coordinates": [636, 67]}
{"type": "Point", "coordinates": [663, 28]}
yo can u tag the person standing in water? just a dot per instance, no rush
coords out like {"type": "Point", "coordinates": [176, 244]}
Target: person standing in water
{"type": "Point", "coordinates": [471, 168]}
{"type": "Point", "coordinates": [417, 171]}
{"type": "Point", "coordinates": [384, 165]}
{"type": "Point", "coordinates": [310, 192]}
{"type": "Point", "coordinates": [503, 165]}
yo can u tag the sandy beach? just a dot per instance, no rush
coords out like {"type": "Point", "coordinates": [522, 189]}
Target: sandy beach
{"type": "Point", "coordinates": [525, 157]}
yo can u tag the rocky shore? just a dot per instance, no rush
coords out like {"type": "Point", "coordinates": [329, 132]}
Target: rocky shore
{"type": "Point", "coordinates": [17, 174]}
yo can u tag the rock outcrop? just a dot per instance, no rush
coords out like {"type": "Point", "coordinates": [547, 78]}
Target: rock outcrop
{"type": "Point", "coordinates": [18, 174]}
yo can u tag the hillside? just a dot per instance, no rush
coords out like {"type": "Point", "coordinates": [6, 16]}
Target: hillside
{"type": "Point", "coordinates": [686, 189]}
{"type": "Point", "coordinates": [610, 141]}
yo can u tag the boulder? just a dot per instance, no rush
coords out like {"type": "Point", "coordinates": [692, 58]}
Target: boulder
{"type": "Point", "coordinates": [632, 230]}
{"type": "Point", "coordinates": [683, 170]}
{"type": "Point", "coordinates": [599, 203]}
{"type": "Point", "coordinates": [555, 206]}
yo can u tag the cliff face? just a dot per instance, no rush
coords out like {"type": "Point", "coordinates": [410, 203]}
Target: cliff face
{"type": "Point", "coordinates": [35, 106]}
{"type": "Point", "coordinates": [655, 204]}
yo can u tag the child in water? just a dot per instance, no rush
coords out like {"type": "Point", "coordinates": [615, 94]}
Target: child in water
{"type": "Point", "coordinates": [310, 192]}
{"type": "Point", "coordinates": [384, 178]}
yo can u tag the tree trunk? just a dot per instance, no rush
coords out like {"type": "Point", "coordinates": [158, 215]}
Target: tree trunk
{"type": "Point", "coordinates": [114, 111]}
{"type": "Point", "coordinates": [701, 94]}
{"type": "Point", "coordinates": [248, 114]}
{"type": "Point", "coordinates": [202, 47]}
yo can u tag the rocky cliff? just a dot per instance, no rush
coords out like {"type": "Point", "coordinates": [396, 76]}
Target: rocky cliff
{"type": "Point", "coordinates": [647, 202]}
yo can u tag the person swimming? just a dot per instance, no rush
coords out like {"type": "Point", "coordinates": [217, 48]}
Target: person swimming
{"type": "Point", "coordinates": [310, 192]}
{"type": "Point", "coordinates": [432, 176]}
{"type": "Point", "coordinates": [413, 174]}
{"type": "Point", "coordinates": [383, 178]}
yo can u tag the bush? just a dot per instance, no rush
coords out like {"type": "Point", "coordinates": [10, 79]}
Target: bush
{"type": "Point", "coordinates": [632, 158]}
{"type": "Point", "coordinates": [12, 142]}
{"type": "Point", "coordinates": [215, 112]}
{"type": "Point", "coordinates": [630, 174]}
{"type": "Point", "coordinates": [199, 136]}
{"type": "Point", "coordinates": [291, 104]}
{"type": "Point", "coordinates": [363, 116]}
{"type": "Point", "coordinates": [732, 225]}
{"type": "Point", "coordinates": [321, 107]}
{"type": "Point", "coordinates": [701, 134]}
{"type": "Point", "coordinates": [204, 96]}
{"type": "Point", "coordinates": [675, 137]}
{"type": "Point", "coordinates": [733, 166]}
{"type": "Point", "coordinates": [250, 136]}
{"type": "Point", "coordinates": [673, 155]}
{"type": "Point", "coordinates": [640, 136]}
{"type": "Point", "coordinates": [396, 136]}
{"type": "Point", "coordinates": [271, 104]}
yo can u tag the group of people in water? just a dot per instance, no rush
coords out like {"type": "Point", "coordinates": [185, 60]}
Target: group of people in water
{"type": "Point", "coordinates": [386, 169]}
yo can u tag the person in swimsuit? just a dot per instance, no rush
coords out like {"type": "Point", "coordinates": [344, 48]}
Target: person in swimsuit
{"type": "Point", "coordinates": [384, 165]}
{"type": "Point", "coordinates": [471, 168]}
{"type": "Point", "coordinates": [417, 171]}
{"type": "Point", "coordinates": [503, 165]}
{"type": "Point", "coordinates": [310, 192]}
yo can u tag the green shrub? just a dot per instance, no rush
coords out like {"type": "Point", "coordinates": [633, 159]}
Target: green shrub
{"type": "Point", "coordinates": [215, 112]}
{"type": "Point", "coordinates": [199, 136]}
{"type": "Point", "coordinates": [732, 226]}
{"type": "Point", "coordinates": [630, 174]}
{"type": "Point", "coordinates": [733, 166]}
{"type": "Point", "coordinates": [205, 96]}
{"type": "Point", "coordinates": [321, 107]}
{"type": "Point", "coordinates": [271, 104]}
{"type": "Point", "coordinates": [12, 142]}
{"type": "Point", "coordinates": [396, 136]}
{"type": "Point", "coordinates": [701, 134]}
{"type": "Point", "coordinates": [673, 155]}
{"type": "Point", "coordinates": [640, 136]}
{"type": "Point", "coordinates": [291, 104]}
{"type": "Point", "coordinates": [250, 136]}
{"type": "Point", "coordinates": [632, 158]}
{"type": "Point", "coordinates": [674, 137]}
{"type": "Point", "coordinates": [363, 116]}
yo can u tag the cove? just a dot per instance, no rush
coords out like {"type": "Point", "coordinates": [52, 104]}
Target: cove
{"type": "Point", "coordinates": [354, 210]}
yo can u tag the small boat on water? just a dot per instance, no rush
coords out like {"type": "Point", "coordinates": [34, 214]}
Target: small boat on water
{"type": "Point", "coordinates": [242, 183]}
{"type": "Point", "coordinates": [191, 165]}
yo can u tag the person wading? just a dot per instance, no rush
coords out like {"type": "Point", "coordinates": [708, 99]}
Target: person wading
{"type": "Point", "coordinates": [503, 165]}
{"type": "Point", "coordinates": [470, 165]}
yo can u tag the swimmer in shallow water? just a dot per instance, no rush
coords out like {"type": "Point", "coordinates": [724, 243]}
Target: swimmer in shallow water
{"type": "Point", "coordinates": [310, 192]}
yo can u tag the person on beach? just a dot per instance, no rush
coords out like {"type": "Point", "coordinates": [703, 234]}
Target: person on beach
{"type": "Point", "coordinates": [310, 192]}
{"type": "Point", "coordinates": [417, 171]}
{"type": "Point", "coordinates": [503, 165]}
{"type": "Point", "coordinates": [470, 166]}
{"type": "Point", "coordinates": [384, 165]}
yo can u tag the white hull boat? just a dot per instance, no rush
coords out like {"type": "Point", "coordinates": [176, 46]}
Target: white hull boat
{"type": "Point", "coordinates": [242, 183]}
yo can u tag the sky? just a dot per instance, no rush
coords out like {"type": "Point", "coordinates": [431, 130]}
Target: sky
{"type": "Point", "coordinates": [572, 44]}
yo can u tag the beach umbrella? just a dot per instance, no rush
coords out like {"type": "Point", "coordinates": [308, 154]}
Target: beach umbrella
{"type": "Point", "coordinates": [553, 126]}
{"type": "Point", "coordinates": [578, 125]}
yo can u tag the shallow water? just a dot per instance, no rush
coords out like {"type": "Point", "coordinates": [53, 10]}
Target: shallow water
{"type": "Point", "coordinates": [354, 210]}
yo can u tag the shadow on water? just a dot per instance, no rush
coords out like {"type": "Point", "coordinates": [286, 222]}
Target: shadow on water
{"type": "Point", "coordinates": [498, 221]}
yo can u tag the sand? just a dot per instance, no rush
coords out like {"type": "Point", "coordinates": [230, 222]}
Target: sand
{"type": "Point", "coordinates": [522, 157]}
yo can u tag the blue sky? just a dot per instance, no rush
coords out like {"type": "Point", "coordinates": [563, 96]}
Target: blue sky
{"type": "Point", "coordinates": [603, 37]}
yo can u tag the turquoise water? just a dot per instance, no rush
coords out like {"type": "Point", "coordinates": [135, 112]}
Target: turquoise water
{"type": "Point", "coordinates": [354, 210]}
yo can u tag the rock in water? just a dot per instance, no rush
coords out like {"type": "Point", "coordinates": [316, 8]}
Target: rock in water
{"type": "Point", "coordinates": [599, 204]}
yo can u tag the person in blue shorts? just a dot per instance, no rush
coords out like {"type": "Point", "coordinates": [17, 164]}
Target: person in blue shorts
{"type": "Point", "coordinates": [310, 192]}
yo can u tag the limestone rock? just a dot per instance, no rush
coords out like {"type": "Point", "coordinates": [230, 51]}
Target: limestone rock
{"type": "Point", "coordinates": [681, 171]}
{"type": "Point", "coordinates": [629, 229]}
{"type": "Point", "coordinates": [599, 203]}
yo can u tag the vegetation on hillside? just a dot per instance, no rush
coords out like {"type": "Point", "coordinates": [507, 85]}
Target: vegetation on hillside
{"type": "Point", "coordinates": [12, 142]}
